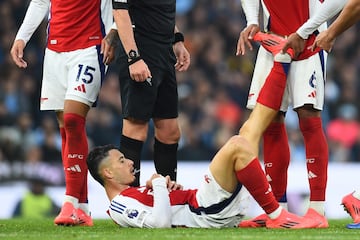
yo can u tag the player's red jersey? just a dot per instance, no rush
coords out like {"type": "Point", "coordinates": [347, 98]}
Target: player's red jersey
{"type": "Point", "coordinates": [74, 24]}
{"type": "Point", "coordinates": [177, 197]}
{"type": "Point", "coordinates": [286, 16]}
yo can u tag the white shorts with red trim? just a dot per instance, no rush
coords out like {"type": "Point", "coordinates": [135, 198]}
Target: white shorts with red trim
{"type": "Point", "coordinates": [75, 75]}
{"type": "Point", "coordinates": [217, 207]}
{"type": "Point", "coordinates": [305, 81]}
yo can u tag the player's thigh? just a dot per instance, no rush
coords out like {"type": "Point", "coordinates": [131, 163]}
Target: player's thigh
{"type": "Point", "coordinates": [85, 76]}
{"type": "Point", "coordinates": [306, 82]}
{"type": "Point", "coordinates": [263, 65]}
{"type": "Point", "coordinates": [54, 83]}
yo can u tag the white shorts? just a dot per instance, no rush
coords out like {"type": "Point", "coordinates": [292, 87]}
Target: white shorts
{"type": "Point", "coordinates": [218, 207]}
{"type": "Point", "coordinates": [305, 81]}
{"type": "Point", "coordinates": [75, 75]}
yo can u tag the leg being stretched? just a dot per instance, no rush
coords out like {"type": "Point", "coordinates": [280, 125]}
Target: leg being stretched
{"type": "Point", "coordinates": [236, 163]}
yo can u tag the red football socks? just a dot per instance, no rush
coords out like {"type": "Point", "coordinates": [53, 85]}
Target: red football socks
{"type": "Point", "coordinates": [317, 156]}
{"type": "Point", "coordinates": [277, 158]}
{"type": "Point", "coordinates": [75, 153]}
{"type": "Point", "coordinates": [272, 92]}
{"type": "Point", "coordinates": [253, 178]}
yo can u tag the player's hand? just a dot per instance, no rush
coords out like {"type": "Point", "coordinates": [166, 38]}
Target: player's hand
{"type": "Point", "coordinates": [245, 38]}
{"type": "Point", "coordinates": [295, 42]}
{"type": "Point", "coordinates": [17, 53]}
{"type": "Point", "coordinates": [324, 40]}
{"type": "Point", "coordinates": [172, 185]}
{"type": "Point", "coordinates": [182, 57]}
{"type": "Point", "coordinates": [108, 46]}
{"type": "Point", "coordinates": [139, 71]}
{"type": "Point", "coordinates": [149, 182]}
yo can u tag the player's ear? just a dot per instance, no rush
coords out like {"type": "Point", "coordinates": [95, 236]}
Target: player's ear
{"type": "Point", "coordinates": [107, 173]}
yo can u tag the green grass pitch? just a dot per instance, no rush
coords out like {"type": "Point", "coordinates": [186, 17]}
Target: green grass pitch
{"type": "Point", "coordinates": [18, 229]}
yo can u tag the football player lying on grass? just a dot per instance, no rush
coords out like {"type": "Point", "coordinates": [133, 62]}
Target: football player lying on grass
{"type": "Point", "coordinates": [220, 201]}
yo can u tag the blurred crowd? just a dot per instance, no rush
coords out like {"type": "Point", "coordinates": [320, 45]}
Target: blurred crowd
{"type": "Point", "coordinates": [212, 94]}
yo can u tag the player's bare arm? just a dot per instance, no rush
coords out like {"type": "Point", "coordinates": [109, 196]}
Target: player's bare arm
{"type": "Point", "coordinates": [108, 46]}
{"type": "Point", "coordinates": [347, 17]}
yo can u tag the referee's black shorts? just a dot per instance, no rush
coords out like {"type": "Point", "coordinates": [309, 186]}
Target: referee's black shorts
{"type": "Point", "coordinates": [157, 98]}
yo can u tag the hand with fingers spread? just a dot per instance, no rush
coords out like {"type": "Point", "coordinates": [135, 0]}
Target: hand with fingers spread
{"type": "Point", "coordinates": [245, 38]}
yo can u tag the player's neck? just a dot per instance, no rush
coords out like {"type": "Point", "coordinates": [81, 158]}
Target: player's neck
{"type": "Point", "coordinates": [112, 190]}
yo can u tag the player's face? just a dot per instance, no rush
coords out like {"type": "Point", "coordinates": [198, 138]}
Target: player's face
{"type": "Point", "coordinates": [121, 167]}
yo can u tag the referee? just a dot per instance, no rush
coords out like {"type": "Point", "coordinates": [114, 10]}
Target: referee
{"type": "Point", "coordinates": [152, 48]}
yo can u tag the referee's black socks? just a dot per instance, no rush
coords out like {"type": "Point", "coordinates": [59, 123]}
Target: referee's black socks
{"type": "Point", "coordinates": [131, 148]}
{"type": "Point", "coordinates": [165, 159]}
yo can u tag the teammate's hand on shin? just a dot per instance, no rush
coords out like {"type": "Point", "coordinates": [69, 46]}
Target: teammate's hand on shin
{"type": "Point", "coordinates": [245, 38]}
{"type": "Point", "coordinates": [17, 53]}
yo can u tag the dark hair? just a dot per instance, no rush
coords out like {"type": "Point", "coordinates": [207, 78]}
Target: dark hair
{"type": "Point", "coordinates": [95, 157]}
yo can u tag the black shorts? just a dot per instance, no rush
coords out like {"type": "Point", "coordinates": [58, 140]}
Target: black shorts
{"type": "Point", "coordinates": [155, 99]}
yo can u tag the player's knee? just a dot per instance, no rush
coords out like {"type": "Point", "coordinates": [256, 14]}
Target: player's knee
{"type": "Point", "coordinates": [241, 151]}
{"type": "Point", "coordinates": [168, 136]}
{"type": "Point", "coordinates": [73, 122]}
{"type": "Point", "coordinates": [239, 144]}
{"type": "Point", "coordinates": [307, 111]}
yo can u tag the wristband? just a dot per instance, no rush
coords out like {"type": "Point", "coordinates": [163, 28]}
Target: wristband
{"type": "Point", "coordinates": [179, 37]}
{"type": "Point", "coordinates": [134, 60]}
